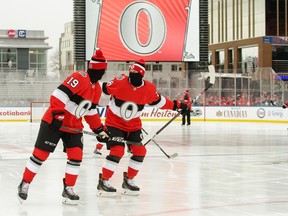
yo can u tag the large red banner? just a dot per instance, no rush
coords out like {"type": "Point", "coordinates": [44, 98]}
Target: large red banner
{"type": "Point", "coordinates": [126, 30]}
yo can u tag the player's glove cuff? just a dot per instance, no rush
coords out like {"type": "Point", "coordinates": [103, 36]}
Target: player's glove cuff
{"type": "Point", "coordinates": [180, 107]}
{"type": "Point", "coordinates": [103, 135]}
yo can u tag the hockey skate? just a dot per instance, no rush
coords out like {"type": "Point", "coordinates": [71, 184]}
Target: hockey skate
{"type": "Point", "coordinates": [69, 196]}
{"type": "Point", "coordinates": [23, 191]}
{"type": "Point", "coordinates": [104, 188]}
{"type": "Point", "coordinates": [129, 187]}
{"type": "Point", "coordinates": [98, 148]}
{"type": "Point", "coordinates": [97, 152]}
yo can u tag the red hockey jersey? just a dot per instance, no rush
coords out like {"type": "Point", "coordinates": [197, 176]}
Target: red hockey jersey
{"type": "Point", "coordinates": [127, 102]}
{"type": "Point", "coordinates": [78, 98]}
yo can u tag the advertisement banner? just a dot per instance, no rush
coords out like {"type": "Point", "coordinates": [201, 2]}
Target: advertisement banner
{"type": "Point", "coordinates": [233, 114]}
{"type": "Point", "coordinates": [154, 30]}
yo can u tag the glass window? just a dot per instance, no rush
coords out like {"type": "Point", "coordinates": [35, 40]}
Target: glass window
{"type": "Point", "coordinates": [32, 66]}
{"type": "Point", "coordinates": [33, 58]}
{"type": "Point", "coordinates": [42, 58]}
{"type": "Point", "coordinates": [38, 59]}
{"type": "Point", "coordinates": [271, 17]}
{"type": "Point", "coordinates": [9, 55]}
{"type": "Point", "coordinates": [157, 67]}
{"type": "Point", "coordinates": [220, 59]}
{"type": "Point", "coordinates": [120, 67]}
{"type": "Point", "coordinates": [174, 67]}
{"type": "Point", "coordinates": [282, 18]}
{"type": "Point", "coordinates": [230, 58]}
{"type": "Point", "coordinates": [280, 59]}
{"type": "Point", "coordinates": [249, 59]}
{"type": "Point", "coordinates": [41, 66]}
{"type": "Point", "coordinates": [148, 67]}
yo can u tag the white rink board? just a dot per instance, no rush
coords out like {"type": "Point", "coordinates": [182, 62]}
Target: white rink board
{"type": "Point", "coordinates": [246, 114]}
{"type": "Point", "coordinates": [227, 113]}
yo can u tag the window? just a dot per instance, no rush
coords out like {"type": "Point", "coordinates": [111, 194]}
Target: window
{"type": "Point", "coordinates": [230, 58]}
{"type": "Point", "coordinates": [120, 67]}
{"type": "Point", "coordinates": [8, 55]}
{"type": "Point", "coordinates": [174, 67]}
{"type": "Point", "coordinates": [271, 17]}
{"type": "Point", "coordinates": [249, 59]}
{"type": "Point", "coordinates": [220, 59]}
{"type": "Point", "coordinates": [38, 59]}
{"type": "Point", "coordinates": [148, 67]}
{"type": "Point", "coordinates": [157, 67]}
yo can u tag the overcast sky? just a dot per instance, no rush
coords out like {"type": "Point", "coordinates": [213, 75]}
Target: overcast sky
{"type": "Point", "coordinates": [47, 15]}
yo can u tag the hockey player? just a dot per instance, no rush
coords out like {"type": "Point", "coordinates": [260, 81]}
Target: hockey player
{"type": "Point", "coordinates": [75, 98]}
{"type": "Point", "coordinates": [128, 96]}
{"type": "Point", "coordinates": [187, 100]}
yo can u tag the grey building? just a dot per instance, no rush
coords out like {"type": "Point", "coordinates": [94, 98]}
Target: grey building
{"type": "Point", "coordinates": [23, 51]}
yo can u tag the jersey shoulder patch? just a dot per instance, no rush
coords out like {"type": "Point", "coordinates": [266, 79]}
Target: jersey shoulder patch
{"type": "Point", "coordinates": [120, 77]}
{"type": "Point", "coordinates": [83, 73]}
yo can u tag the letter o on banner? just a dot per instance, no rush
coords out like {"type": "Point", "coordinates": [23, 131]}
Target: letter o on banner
{"type": "Point", "coordinates": [129, 23]}
{"type": "Point", "coordinates": [82, 109]}
{"type": "Point", "coordinates": [128, 110]}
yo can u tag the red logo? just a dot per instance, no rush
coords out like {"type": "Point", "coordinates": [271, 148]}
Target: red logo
{"type": "Point", "coordinates": [11, 33]}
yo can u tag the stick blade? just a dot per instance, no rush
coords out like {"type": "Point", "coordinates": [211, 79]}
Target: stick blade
{"type": "Point", "coordinates": [211, 69]}
{"type": "Point", "coordinates": [173, 155]}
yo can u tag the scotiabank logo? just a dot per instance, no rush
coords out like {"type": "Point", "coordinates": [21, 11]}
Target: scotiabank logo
{"type": "Point", "coordinates": [11, 33]}
{"type": "Point", "coordinates": [156, 30]}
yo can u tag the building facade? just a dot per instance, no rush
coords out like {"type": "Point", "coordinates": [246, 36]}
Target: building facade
{"type": "Point", "coordinates": [248, 34]}
{"type": "Point", "coordinates": [66, 50]}
{"type": "Point", "coordinates": [23, 52]}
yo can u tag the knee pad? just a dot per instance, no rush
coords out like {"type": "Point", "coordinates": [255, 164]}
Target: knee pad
{"type": "Point", "coordinates": [40, 154]}
{"type": "Point", "coordinates": [117, 151]}
{"type": "Point", "coordinates": [74, 153]}
{"type": "Point", "coordinates": [138, 150]}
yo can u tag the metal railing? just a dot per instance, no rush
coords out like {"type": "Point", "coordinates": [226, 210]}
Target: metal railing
{"type": "Point", "coordinates": [230, 89]}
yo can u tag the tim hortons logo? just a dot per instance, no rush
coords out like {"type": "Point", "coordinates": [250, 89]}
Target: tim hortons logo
{"type": "Point", "coordinates": [11, 33]}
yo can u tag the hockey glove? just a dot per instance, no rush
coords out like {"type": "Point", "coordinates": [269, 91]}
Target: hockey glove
{"type": "Point", "coordinates": [57, 119]}
{"type": "Point", "coordinates": [103, 135]}
{"type": "Point", "coordinates": [285, 105]}
{"type": "Point", "coordinates": [180, 107]}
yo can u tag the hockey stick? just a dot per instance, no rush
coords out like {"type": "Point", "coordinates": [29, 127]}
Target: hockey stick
{"type": "Point", "coordinates": [275, 104]}
{"type": "Point", "coordinates": [168, 156]}
{"type": "Point", "coordinates": [211, 69]}
{"type": "Point", "coordinates": [96, 135]}
{"type": "Point", "coordinates": [211, 78]}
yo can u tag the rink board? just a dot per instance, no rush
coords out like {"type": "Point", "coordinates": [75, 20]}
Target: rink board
{"type": "Point", "coordinates": [227, 113]}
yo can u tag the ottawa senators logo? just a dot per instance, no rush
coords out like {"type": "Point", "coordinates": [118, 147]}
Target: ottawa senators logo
{"type": "Point", "coordinates": [120, 77]}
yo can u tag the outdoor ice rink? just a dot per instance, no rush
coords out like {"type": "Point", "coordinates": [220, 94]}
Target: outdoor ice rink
{"type": "Point", "coordinates": [223, 169]}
